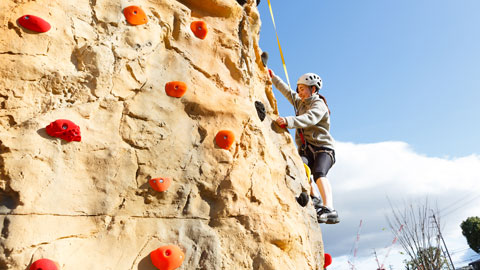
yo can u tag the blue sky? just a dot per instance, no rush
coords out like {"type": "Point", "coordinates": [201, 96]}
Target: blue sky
{"type": "Point", "coordinates": [402, 79]}
{"type": "Point", "coordinates": [393, 70]}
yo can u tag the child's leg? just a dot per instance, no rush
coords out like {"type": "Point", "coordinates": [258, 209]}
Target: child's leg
{"type": "Point", "coordinates": [314, 189]}
{"type": "Point", "coordinates": [323, 163]}
{"type": "Point", "coordinates": [325, 191]}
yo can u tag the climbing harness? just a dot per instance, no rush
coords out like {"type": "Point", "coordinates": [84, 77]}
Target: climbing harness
{"type": "Point", "coordinates": [316, 151]}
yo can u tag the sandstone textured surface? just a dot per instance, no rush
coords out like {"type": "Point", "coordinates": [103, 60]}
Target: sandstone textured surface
{"type": "Point", "coordinates": [88, 204]}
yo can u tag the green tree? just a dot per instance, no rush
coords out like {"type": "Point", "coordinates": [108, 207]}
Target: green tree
{"type": "Point", "coordinates": [471, 231]}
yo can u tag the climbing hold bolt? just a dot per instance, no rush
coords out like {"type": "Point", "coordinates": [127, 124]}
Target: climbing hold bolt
{"type": "Point", "coordinates": [135, 15]}
{"type": "Point", "coordinates": [175, 89]}
{"type": "Point", "coordinates": [167, 257]}
{"type": "Point", "coordinates": [44, 264]}
{"type": "Point", "coordinates": [64, 129]}
{"type": "Point", "coordinates": [225, 139]}
{"type": "Point", "coordinates": [34, 23]}
{"type": "Point", "coordinates": [199, 29]}
{"type": "Point", "coordinates": [160, 184]}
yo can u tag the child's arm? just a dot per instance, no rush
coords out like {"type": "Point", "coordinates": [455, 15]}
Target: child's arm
{"type": "Point", "coordinates": [310, 118]}
{"type": "Point", "coordinates": [284, 89]}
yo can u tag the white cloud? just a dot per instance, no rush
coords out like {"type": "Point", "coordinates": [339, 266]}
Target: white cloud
{"type": "Point", "coordinates": [366, 174]}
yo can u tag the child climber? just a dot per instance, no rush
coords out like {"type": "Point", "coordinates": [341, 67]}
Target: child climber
{"type": "Point", "coordinates": [312, 136]}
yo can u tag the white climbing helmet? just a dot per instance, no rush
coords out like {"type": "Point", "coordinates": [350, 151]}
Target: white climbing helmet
{"type": "Point", "coordinates": [310, 79]}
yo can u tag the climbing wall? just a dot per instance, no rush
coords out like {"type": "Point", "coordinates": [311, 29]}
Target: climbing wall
{"type": "Point", "coordinates": [132, 130]}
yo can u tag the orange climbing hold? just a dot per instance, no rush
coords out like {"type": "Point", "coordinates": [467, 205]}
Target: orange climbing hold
{"type": "Point", "coordinates": [225, 139]}
{"type": "Point", "coordinates": [44, 264]}
{"type": "Point", "coordinates": [167, 257]}
{"type": "Point", "coordinates": [199, 29]}
{"type": "Point", "coordinates": [175, 89]}
{"type": "Point", "coordinates": [160, 184]}
{"type": "Point", "coordinates": [135, 15]}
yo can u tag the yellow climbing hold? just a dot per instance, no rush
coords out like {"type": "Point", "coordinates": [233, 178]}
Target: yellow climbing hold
{"type": "Point", "coordinates": [307, 170]}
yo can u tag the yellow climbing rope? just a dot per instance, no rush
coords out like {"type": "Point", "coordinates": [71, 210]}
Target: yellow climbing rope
{"type": "Point", "coordinates": [278, 41]}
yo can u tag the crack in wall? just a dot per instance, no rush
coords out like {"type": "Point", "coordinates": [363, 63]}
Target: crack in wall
{"type": "Point", "coordinates": [137, 173]}
{"type": "Point", "coordinates": [92, 4]}
{"type": "Point", "coordinates": [249, 193]}
{"type": "Point", "coordinates": [141, 251]}
{"type": "Point", "coordinates": [104, 215]}
{"type": "Point", "coordinates": [187, 203]}
{"type": "Point", "coordinates": [242, 137]}
{"type": "Point", "coordinates": [15, 28]}
{"type": "Point", "coordinates": [80, 236]}
{"type": "Point", "coordinates": [24, 54]}
{"type": "Point", "coordinates": [215, 78]}
{"type": "Point", "coordinates": [190, 61]}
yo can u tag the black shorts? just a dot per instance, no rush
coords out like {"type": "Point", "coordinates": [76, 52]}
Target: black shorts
{"type": "Point", "coordinates": [318, 159]}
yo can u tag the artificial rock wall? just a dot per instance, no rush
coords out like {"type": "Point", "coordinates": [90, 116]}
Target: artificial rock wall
{"type": "Point", "coordinates": [88, 204]}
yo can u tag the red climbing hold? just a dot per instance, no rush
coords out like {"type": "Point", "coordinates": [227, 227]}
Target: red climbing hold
{"type": "Point", "coordinates": [167, 257]}
{"type": "Point", "coordinates": [225, 139]}
{"type": "Point", "coordinates": [34, 23]}
{"type": "Point", "coordinates": [44, 264]}
{"type": "Point", "coordinates": [160, 184]}
{"type": "Point", "coordinates": [328, 260]}
{"type": "Point", "coordinates": [199, 29]}
{"type": "Point", "coordinates": [135, 15]}
{"type": "Point", "coordinates": [64, 129]}
{"type": "Point", "coordinates": [175, 89]}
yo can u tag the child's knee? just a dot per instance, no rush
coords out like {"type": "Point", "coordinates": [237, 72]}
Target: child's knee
{"type": "Point", "coordinates": [318, 175]}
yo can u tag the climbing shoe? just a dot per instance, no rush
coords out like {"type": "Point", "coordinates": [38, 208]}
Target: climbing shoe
{"type": "Point", "coordinates": [303, 199]}
{"type": "Point", "coordinates": [320, 209]}
{"type": "Point", "coordinates": [317, 202]}
{"type": "Point", "coordinates": [326, 215]}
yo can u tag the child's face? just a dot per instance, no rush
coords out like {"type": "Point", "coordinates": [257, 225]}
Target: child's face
{"type": "Point", "coordinates": [304, 91]}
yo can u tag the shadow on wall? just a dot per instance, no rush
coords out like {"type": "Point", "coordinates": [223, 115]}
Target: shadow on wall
{"type": "Point", "coordinates": [146, 264]}
{"type": "Point", "coordinates": [43, 133]}
{"type": "Point", "coordinates": [9, 199]}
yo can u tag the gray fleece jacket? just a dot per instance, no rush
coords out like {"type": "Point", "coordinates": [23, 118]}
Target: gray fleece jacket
{"type": "Point", "coordinates": [313, 117]}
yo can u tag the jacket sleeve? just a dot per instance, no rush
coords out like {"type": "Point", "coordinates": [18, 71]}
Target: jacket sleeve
{"type": "Point", "coordinates": [310, 118]}
{"type": "Point", "coordinates": [285, 90]}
